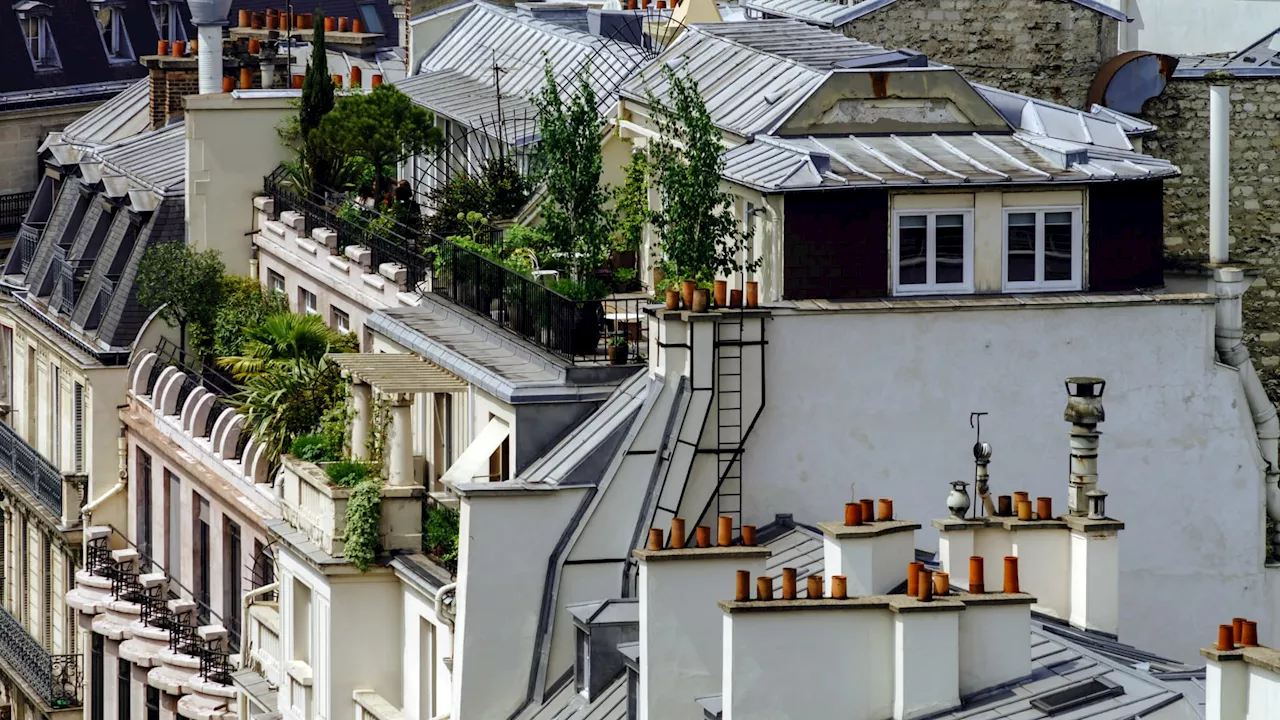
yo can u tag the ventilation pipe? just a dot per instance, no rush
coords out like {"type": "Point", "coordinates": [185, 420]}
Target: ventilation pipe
{"type": "Point", "coordinates": [1229, 285]}
{"type": "Point", "coordinates": [209, 17]}
{"type": "Point", "coordinates": [1219, 165]}
{"type": "Point", "coordinates": [1084, 412]}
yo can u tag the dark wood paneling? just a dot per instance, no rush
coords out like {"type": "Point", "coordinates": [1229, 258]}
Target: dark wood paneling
{"type": "Point", "coordinates": [835, 245]}
{"type": "Point", "coordinates": [1126, 235]}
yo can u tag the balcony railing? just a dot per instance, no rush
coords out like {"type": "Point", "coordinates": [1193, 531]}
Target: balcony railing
{"type": "Point", "coordinates": [57, 679]}
{"type": "Point", "coordinates": [13, 208]}
{"type": "Point", "coordinates": [30, 469]}
{"type": "Point", "coordinates": [576, 330]}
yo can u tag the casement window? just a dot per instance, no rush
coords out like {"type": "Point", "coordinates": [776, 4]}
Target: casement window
{"type": "Point", "coordinates": [307, 302]}
{"type": "Point", "coordinates": [124, 690]}
{"type": "Point", "coordinates": [153, 703]}
{"type": "Point", "coordinates": [275, 282]}
{"type": "Point", "coordinates": [200, 537]}
{"type": "Point", "coordinates": [1043, 249]}
{"type": "Point", "coordinates": [168, 21]}
{"type": "Point", "coordinates": [231, 585]}
{"type": "Point", "coordinates": [932, 252]}
{"type": "Point", "coordinates": [97, 670]}
{"type": "Point", "coordinates": [341, 321]}
{"type": "Point", "coordinates": [146, 504]}
{"type": "Point", "coordinates": [34, 17]}
{"type": "Point", "coordinates": [115, 38]}
{"type": "Point", "coordinates": [372, 21]}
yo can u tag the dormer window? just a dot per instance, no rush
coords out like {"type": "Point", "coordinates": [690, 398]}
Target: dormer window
{"type": "Point", "coordinates": [34, 16]}
{"type": "Point", "coordinates": [115, 38]}
{"type": "Point", "coordinates": [168, 21]}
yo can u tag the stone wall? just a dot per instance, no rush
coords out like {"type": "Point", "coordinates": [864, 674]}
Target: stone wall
{"type": "Point", "coordinates": [1181, 114]}
{"type": "Point", "coordinates": [21, 133]}
{"type": "Point", "coordinates": [1048, 49]}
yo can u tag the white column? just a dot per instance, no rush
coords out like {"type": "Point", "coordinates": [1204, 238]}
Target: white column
{"type": "Point", "coordinates": [400, 442]}
{"type": "Point", "coordinates": [1219, 168]}
{"type": "Point", "coordinates": [361, 398]}
{"type": "Point", "coordinates": [210, 58]}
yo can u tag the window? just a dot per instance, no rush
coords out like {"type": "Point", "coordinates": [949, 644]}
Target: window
{"type": "Point", "coordinates": [123, 690]}
{"type": "Point", "coordinates": [442, 454]}
{"type": "Point", "coordinates": [200, 555]}
{"type": "Point", "coordinates": [275, 281]}
{"type": "Point", "coordinates": [426, 669]}
{"type": "Point", "coordinates": [145, 504]}
{"type": "Point", "coordinates": [933, 252]}
{"type": "Point", "coordinates": [306, 302]}
{"type": "Point", "coordinates": [55, 417]}
{"type": "Point", "coordinates": [341, 321]}
{"type": "Point", "coordinates": [1042, 249]}
{"type": "Point", "coordinates": [34, 19]}
{"type": "Point", "coordinates": [301, 607]}
{"type": "Point", "coordinates": [6, 351]}
{"type": "Point", "coordinates": [173, 524]}
{"type": "Point", "coordinates": [372, 22]}
{"type": "Point", "coordinates": [77, 426]}
{"type": "Point", "coordinates": [96, 673]}
{"type": "Point", "coordinates": [231, 565]}
{"type": "Point", "coordinates": [264, 573]}
{"type": "Point", "coordinates": [168, 21]}
{"type": "Point", "coordinates": [153, 703]}
{"type": "Point", "coordinates": [114, 36]}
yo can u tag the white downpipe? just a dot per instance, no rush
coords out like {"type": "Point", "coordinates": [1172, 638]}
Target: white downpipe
{"type": "Point", "coordinates": [1219, 166]}
{"type": "Point", "coordinates": [210, 58]}
{"type": "Point", "coordinates": [1229, 339]}
{"type": "Point", "coordinates": [244, 618]}
{"type": "Point", "coordinates": [440, 613]}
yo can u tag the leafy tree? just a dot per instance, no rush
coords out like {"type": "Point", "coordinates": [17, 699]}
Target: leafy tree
{"type": "Point", "coordinates": [497, 191]}
{"type": "Point", "coordinates": [281, 340]}
{"type": "Point", "coordinates": [384, 127]}
{"type": "Point", "coordinates": [318, 164]}
{"type": "Point", "coordinates": [631, 202]}
{"type": "Point", "coordinates": [569, 164]}
{"type": "Point", "coordinates": [245, 304]}
{"type": "Point", "coordinates": [317, 86]}
{"type": "Point", "coordinates": [288, 398]}
{"type": "Point", "coordinates": [184, 284]}
{"type": "Point", "coordinates": [700, 235]}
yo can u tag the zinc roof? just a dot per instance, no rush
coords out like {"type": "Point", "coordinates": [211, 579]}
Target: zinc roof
{"type": "Point", "coordinates": [121, 117]}
{"type": "Point", "coordinates": [464, 99]}
{"type": "Point", "coordinates": [750, 74]}
{"type": "Point", "coordinates": [773, 164]}
{"type": "Point", "coordinates": [1045, 118]}
{"type": "Point", "coordinates": [156, 160]}
{"type": "Point", "coordinates": [568, 704]}
{"type": "Point", "coordinates": [808, 10]}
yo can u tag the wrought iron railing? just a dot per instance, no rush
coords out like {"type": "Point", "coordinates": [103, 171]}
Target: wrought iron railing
{"type": "Point", "coordinates": [440, 534]}
{"type": "Point", "coordinates": [30, 469]}
{"type": "Point", "coordinates": [13, 208]}
{"type": "Point", "coordinates": [200, 372]}
{"type": "Point", "coordinates": [57, 679]}
{"type": "Point", "coordinates": [25, 246]}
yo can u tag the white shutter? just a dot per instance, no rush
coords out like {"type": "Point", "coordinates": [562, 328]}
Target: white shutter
{"type": "Point", "coordinates": [58, 611]}
{"type": "Point", "coordinates": [34, 566]}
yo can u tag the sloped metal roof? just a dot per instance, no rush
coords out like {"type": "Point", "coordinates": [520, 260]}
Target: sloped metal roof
{"type": "Point", "coordinates": [1261, 59]}
{"type": "Point", "coordinates": [809, 10]}
{"type": "Point", "coordinates": [520, 45]}
{"type": "Point", "coordinates": [750, 74]}
{"type": "Point", "coordinates": [121, 117]}
{"type": "Point", "coordinates": [462, 98]}
{"type": "Point", "coordinates": [775, 164]}
{"type": "Point", "coordinates": [1045, 118]}
{"type": "Point", "coordinates": [568, 704]}
{"type": "Point", "coordinates": [156, 160]}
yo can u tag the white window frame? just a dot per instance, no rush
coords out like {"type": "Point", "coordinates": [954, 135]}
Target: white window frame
{"type": "Point", "coordinates": [272, 277]}
{"type": "Point", "coordinates": [341, 320]}
{"type": "Point", "coordinates": [176, 30]}
{"type": "Point", "coordinates": [47, 57]}
{"type": "Point", "coordinates": [118, 50]}
{"type": "Point", "coordinates": [1077, 250]}
{"type": "Point", "coordinates": [308, 302]}
{"type": "Point", "coordinates": [931, 287]}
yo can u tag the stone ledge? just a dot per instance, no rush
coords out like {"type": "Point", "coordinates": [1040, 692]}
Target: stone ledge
{"type": "Point", "coordinates": [840, 531]}
{"type": "Point", "coordinates": [710, 553]}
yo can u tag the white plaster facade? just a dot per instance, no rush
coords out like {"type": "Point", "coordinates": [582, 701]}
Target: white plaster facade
{"type": "Point", "coordinates": [1187, 27]}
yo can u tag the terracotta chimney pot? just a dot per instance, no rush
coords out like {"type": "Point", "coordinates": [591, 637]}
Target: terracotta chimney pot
{"type": "Point", "coordinates": [788, 583]}
{"type": "Point", "coordinates": [885, 510]}
{"type": "Point", "coordinates": [655, 538]}
{"type": "Point", "coordinates": [814, 589]}
{"type": "Point", "coordinates": [357, 25]}
{"type": "Point", "coordinates": [748, 535]}
{"type": "Point", "coordinates": [764, 588]}
{"type": "Point", "coordinates": [375, 80]}
{"type": "Point", "coordinates": [1011, 574]}
{"type": "Point", "coordinates": [357, 78]}
{"type": "Point", "coordinates": [852, 514]}
{"type": "Point", "coordinates": [273, 22]}
{"type": "Point", "coordinates": [1019, 496]}
{"type": "Point", "coordinates": [913, 578]}
{"type": "Point", "coordinates": [868, 509]}
{"type": "Point", "coordinates": [337, 80]}
{"type": "Point", "coordinates": [742, 588]}
{"type": "Point", "coordinates": [178, 48]}
{"type": "Point", "coordinates": [1044, 508]}
{"type": "Point", "coordinates": [285, 21]}
{"type": "Point", "coordinates": [255, 21]}
{"type": "Point", "coordinates": [1004, 506]}
{"type": "Point", "coordinates": [297, 81]}
{"type": "Point", "coordinates": [330, 24]}
{"type": "Point", "coordinates": [306, 20]}
{"type": "Point", "coordinates": [162, 47]}
{"type": "Point", "coordinates": [1250, 634]}
{"type": "Point", "coordinates": [677, 524]}
{"type": "Point", "coordinates": [343, 24]}
{"type": "Point", "coordinates": [242, 21]}
{"type": "Point", "coordinates": [246, 78]}
{"type": "Point", "coordinates": [1226, 639]}
{"type": "Point", "coordinates": [925, 586]}
{"type": "Point", "coordinates": [631, 4]}
{"type": "Point", "coordinates": [1024, 509]}
{"type": "Point", "coordinates": [193, 46]}
{"type": "Point", "coordinates": [228, 84]}
{"type": "Point", "coordinates": [941, 583]}
{"type": "Point", "coordinates": [255, 46]}
{"type": "Point", "coordinates": [702, 533]}
{"type": "Point", "coordinates": [839, 587]}
{"type": "Point", "coordinates": [1237, 630]}
{"type": "Point", "coordinates": [977, 576]}
{"type": "Point", "coordinates": [725, 538]}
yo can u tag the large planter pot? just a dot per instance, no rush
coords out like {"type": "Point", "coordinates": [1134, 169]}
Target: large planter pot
{"type": "Point", "coordinates": [735, 298]}
{"type": "Point", "coordinates": [584, 338]}
{"type": "Point", "coordinates": [721, 289]}
{"type": "Point", "coordinates": [686, 292]}
{"type": "Point", "coordinates": [618, 354]}
{"type": "Point", "coordinates": [753, 294]}
{"type": "Point", "coordinates": [673, 300]}
{"type": "Point", "coordinates": [701, 300]}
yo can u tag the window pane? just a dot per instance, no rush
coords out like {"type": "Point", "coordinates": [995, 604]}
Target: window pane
{"type": "Point", "coordinates": [949, 249]}
{"type": "Point", "coordinates": [1057, 246]}
{"type": "Point", "coordinates": [373, 23]}
{"type": "Point", "coordinates": [1022, 247]}
{"type": "Point", "coordinates": [913, 250]}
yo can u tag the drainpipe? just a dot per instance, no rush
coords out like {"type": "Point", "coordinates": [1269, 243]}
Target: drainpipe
{"type": "Point", "coordinates": [85, 512]}
{"type": "Point", "coordinates": [451, 588]}
{"type": "Point", "coordinates": [244, 618]}
{"type": "Point", "coordinates": [1229, 287]}
{"type": "Point", "coordinates": [1219, 165]}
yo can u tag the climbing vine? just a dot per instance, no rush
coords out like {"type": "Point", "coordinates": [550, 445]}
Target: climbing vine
{"type": "Point", "coordinates": [377, 443]}
{"type": "Point", "coordinates": [364, 521]}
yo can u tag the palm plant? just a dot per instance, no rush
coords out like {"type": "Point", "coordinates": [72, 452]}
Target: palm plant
{"type": "Point", "coordinates": [282, 339]}
{"type": "Point", "coordinates": [288, 398]}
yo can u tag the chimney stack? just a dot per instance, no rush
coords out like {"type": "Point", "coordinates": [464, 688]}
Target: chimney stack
{"type": "Point", "coordinates": [871, 555]}
{"type": "Point", "coordinates": [209, 17]}
{"type": "Point", "coordinates": [1084, 412]}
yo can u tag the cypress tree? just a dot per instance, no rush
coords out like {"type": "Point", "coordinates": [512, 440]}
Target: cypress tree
{"type": "Point", "coordinates": [317, 87]}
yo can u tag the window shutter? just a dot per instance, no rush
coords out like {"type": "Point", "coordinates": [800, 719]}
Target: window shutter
{"type": "Point", "coordinates": [46, 605]}
{"type": "Point", "coordinates": [77, 401]}
{"type": "Point", "coordinates": [58, 606]}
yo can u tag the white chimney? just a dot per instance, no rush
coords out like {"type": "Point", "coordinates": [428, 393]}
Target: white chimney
{"type": "Point", "coordinates": [680, 627]}
{"type": "Point", "coordinates": [995, 634]}
{"type": "Point", "coordinates": [1219, 172]}
{"type": "Point", "coordinates": [870, 553]}
{"type": "Point", "coordinates": [209, 17]}
{"type": "Point", "coordinates": [1242, 679]}
{"type": "Point", "coordinates": [926, 658]}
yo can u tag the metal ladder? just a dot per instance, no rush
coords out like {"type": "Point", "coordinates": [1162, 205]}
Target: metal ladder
{"type": "Point", "coordinates": [729, 419]}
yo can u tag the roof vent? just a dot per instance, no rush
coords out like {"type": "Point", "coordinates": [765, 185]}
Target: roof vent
{"type": "Point", "coordinates": [821, 163]}
{"type": "Point", "coordinates": [1075, 696]}
{"type": "Point", "coordinates": [772, 96]}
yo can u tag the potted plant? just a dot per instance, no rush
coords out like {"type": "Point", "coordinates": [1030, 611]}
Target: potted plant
{"type": "Point", "coordinates": [618, 349]}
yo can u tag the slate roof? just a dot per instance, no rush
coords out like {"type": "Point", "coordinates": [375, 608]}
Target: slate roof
{"type": "Point", "coordinates": [827, 13]}
{"type": "Point", "coordinates": [82, 55]}
{"type": "Point", "coordinates": [464, 99]}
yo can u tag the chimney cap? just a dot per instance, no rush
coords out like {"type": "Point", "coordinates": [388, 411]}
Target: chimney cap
{"type": "Point", "coordinates": [209, 12]}
{"type": "Point", "coordinates": [1084, 400]}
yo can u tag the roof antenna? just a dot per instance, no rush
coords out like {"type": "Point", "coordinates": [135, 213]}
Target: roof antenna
{"type": "Point", "coordinates": [981, 458]}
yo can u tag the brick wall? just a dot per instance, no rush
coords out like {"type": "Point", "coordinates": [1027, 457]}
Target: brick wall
{"type": "Point", "coordinates": [1181, 114]}
{"type": "Point", "coordinates": [1048, 49]}
{"type": "Point", "coordinates": [171, 79]}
